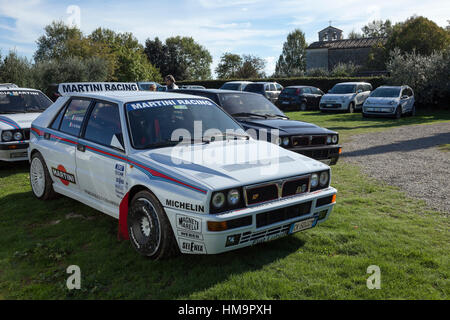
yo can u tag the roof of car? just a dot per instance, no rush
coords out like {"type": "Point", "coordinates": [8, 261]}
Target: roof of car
{"type": "Point", "coordinates": [402, 86]}
{"type": "Point", "coordinates": [129, 96]}
{"type": "Point", "coordinates": [299, 87]}
{"type": "Point", "coordinates": [215, 91]}
{"type": "Point", "coordinates": [238, 82]}
{"type": "Point", "coordinates": [17, 89]}
{"type": "Point", "coordinates": [356, 82]}
{"type": "Point", "coordinates": [263, 82]}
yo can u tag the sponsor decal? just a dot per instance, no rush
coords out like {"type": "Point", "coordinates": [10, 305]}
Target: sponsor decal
{"type": "Point", "coordinates": [120, 184]}
{"type": "Point", "coordinates": [16, 93]}
{"type": "Point", "coordinates": [185, 205]}
{"type": "Point", "coordinates": [101, 198]}
{"type": "Point", "coordinates": [175, 103]}
{"type": "Point", "coordinates": [68, 88]}
{"type": "Point", "coordinates": [189, 223]}
{"type": "Point", "coordinates": [191, 235]}
{"type": "Point", "coordinates": [192, 246]}
{"type": "Point", "coordinates": [270, 238]}
{"type": "Point", "coordinates": [65, 177]}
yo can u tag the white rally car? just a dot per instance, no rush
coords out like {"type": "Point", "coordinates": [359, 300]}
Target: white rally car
{"type": "Point", "coordinates": [118, 153]}
{"type": "Point", "coordinates": [18, 108]}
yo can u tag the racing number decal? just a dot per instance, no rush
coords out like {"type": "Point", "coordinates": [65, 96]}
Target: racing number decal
{"type": "Point", "coordinates": [65, 177]}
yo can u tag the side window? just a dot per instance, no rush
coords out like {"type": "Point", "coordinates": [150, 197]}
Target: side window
{"type": "Point", "coordinates": [74, 115]}
{"type": "Point", "coordinates": [267, 87]}
{"type": "Point", "coordinates": [272, 87]}
{"type": "Point", "coordinates": [103, 126]}
{"type": "Point", "coordinates": [279, 87]}
{"type": "Point", "coordinates": [306, 90]}
{"type": "Point", "coordinates": [57, 121]}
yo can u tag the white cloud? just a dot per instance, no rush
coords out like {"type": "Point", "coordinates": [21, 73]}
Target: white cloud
{"type": "Point", "coordinates": [270, 65]}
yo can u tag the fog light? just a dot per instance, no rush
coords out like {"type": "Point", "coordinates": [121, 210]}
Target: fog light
{"type": "Point", "coordinates": [233, 240]}
{"type": "Point", "coordinates": [217, 225]}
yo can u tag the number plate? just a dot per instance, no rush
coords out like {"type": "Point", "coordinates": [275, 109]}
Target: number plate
{"type": "Point", "coordinates": [329, 105]}
{"type": "Point", "coordinates": [285, 102]}
{"type": "Point", "coordinates": [302, 225]}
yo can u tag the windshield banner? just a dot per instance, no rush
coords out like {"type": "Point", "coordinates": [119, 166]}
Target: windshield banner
{"type": "Point", "coordinates": [65, 89]}
{"type": "Point", "coordinates": [176, 103]}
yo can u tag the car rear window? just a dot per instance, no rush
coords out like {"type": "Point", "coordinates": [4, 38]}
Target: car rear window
{"type": "Point", "coordinates": [289, 91]}
{"type": "Point", "coordinates": [254, 87]}
{"type": "Point", "coordinates": [231, 86]}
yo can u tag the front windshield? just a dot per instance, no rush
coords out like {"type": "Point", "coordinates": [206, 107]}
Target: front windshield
{"type": "Point", "coordinates": [155, 123]}
{"type": "Point", "coordinates": [386, 93]}
{"type": "Point", "coordinates": [343, 89]}
{"type": "Point", "coordinates": [17, 101]}
{"type": "Point", "coordinates": [244, 103]}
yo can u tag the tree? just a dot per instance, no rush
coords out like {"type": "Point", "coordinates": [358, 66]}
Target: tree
{"type": "Point", "coordinates": [418, 34]}
{"type": "Point", "coordinates": [54, 43]}
{"type": "Point", "coordinates": [355, 35]}
{"type": "Point", "coordinates": [292, 61]}
{"type": "Point", "coordinates": [377, 29]}
{"type": "Point", "coordinates": [252, 67]}
{"type": "Point", "coordinates": [377, 58]}
{"type": "Point", "coordinates": [180, 56]}
{"type": "Point", "coordinates": [15, 69]}
{"type": "Point", "coordinates": [228, 66]}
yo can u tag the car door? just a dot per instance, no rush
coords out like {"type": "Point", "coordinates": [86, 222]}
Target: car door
{"type": "Point", "coordinates": [308, 96]}
{"type": "Point", "coordinates": [61, 141]}
{"type": "Point", "coordinates": [100, 156]}
{"type": "Point", "coordinates": [317, 96]}
{"type": "Point", "coordinates": [278, 88]}
{"type": "Point", "coordinates": [405, 99]}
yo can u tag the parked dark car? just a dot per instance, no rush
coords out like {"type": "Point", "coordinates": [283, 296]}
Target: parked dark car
{"type": "Point", "coordinates": [253, 111]}
{"type": "Point", "coordinates": [145, 86]}
{"type": "Point", "coordinates": [299, 98]}
{"type": "Point", "coordinates": [270, 90]}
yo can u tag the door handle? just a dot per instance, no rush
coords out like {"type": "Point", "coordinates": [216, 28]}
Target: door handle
{"type": "Point", "coordinates": [81, 147]}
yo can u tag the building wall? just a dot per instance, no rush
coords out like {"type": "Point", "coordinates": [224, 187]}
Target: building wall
{"type": "Point", "coordinates": [357, 56]}
{"type": "Point", "coordinates": [316, 59]}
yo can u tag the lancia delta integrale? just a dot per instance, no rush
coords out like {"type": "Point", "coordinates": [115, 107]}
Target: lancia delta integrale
{"type": "Point", "coordinates": [120, 152]}
{"type": "Point", "coordinates": [390, 101]}
{"type": "Point", "coordinates": [18, 108]}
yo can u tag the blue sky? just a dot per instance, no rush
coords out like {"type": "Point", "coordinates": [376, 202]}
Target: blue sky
{"type": "Point", "coordinates": [240, 26]}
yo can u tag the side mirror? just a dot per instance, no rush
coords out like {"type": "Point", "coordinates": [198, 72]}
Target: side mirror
{"type": "Point", "coordinates": [359, 91]}
{"type": "Point", "coordinates": [404, 97]}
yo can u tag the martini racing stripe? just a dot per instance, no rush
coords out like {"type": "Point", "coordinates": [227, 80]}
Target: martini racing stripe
{"type": "Point", "coordinates": [10, 122]}
{"type": "Point", "coordinates": [151, 173]}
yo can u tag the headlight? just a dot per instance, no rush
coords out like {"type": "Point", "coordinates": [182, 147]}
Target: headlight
{"type": "Point", "coordinates": [233, 197]}
{"type": "Point", "coordinates": [324, 178]}
{"type": "Point", "coordinates": [18, 136]}
{"type": "Point", "coordinates": [7, 136]}
{"type": "Point", "coordinates": [314, 180]}
{"type": "Point", "coordinates": [218, 200]}
{"type": "Point", "coordinates": [329, 140]}
{"type": "Point", "coordinates": [285, 141]}
{"type": "Point", "coordinates": [334, 139]}
{"type": "Point", "coordinates": [278, 141]}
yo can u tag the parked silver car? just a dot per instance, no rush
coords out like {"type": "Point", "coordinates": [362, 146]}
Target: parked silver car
{"type": "Point", "coordinates": [235, 85]}
{"type": "Point", "coordinates": [271, 90]}
{"type": "Point", "coordinates": [392, 101]}
{"type": "Point", "coordinates": [345, 96]}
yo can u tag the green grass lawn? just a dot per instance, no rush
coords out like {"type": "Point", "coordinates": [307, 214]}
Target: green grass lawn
{"type": "Point", "coordinates": [372, 224]}
{"type": "Point", "coordinates": [445, 147]}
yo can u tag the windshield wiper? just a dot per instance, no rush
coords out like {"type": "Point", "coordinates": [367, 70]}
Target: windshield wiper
{"type": "Point", "coordinates": [224, 135]}
{"type": "Point", "coordinates": [248, 114]}
{"type": "Point", "coordinates": [171, 143]}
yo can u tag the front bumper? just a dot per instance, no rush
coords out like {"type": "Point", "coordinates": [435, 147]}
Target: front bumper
{"type": "Point", "coordinates": [341, 106]}
{"type": "Point", "coordinates": [14, 151]}
{"type": "Point", "coordinates": [203, 241]}
{"type": "Point", "coordinates": [327, 154]}
{"type": "Point", "coordinates": [380, 111]}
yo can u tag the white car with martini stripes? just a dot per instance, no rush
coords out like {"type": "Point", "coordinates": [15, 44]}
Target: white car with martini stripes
{"type": "Point", "coordinates": [18, 108]}
{"type": "Point", "coordinates": [111, 147]}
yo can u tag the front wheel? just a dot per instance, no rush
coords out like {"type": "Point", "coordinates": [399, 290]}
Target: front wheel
{"type": "Point", "coordinates": [40, 180]}
{"type": "Point", "coordinates": [303, 106]}
{"type": "Point", "coordinates": [149, 228]}
{"type": "Point", "coordinates": [351, 107]}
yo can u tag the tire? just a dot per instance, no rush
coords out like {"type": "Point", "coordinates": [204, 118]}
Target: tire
{"type": "Point", "coordinates": [351, 107]}
{"type": "Point", "coordinates": [365, 115]}
{"type": "Point", "coordinates": [413, 111]}
{"type": "Point", "coordinates": [150, 231]}
{"type": "Point", "coordinates": [303, 106]}
{"type": "Point", "coordinates": [398, 112]}
{"type": "Point", "coordinates": [40, 180]}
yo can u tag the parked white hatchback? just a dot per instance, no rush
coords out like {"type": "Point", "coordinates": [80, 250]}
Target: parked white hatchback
{"type": "Point", "coordinates": [345, 96]}
{"type": "Point", "coordinates": [391, 101]}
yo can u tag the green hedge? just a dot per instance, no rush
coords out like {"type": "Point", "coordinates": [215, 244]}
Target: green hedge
{"type": "Point", "coordinates": [324, 83]}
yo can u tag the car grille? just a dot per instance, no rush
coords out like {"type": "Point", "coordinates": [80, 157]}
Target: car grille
{"type": "Point", "coordinates": [319, 154]}
{"type": "Point", "coordinates": [276, 190]}
{"type": "Point", "coordinates": [283, 214]}
{"type": "Point", "coordinates": [309, 141]}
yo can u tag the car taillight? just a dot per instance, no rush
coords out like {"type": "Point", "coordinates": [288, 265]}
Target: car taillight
{"type": "Point", "coordinates": [297, 92]}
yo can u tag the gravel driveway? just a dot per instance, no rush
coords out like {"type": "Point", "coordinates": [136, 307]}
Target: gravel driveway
{"type": "Point", "coordinates": [407, 157]}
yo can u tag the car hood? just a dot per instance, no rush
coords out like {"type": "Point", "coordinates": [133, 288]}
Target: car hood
{"type": "Point", "coordinates": [17, 120]}
{"type": "Point", "coordinates": [331, 96]}
{"type": "Point", "coordinates": [237, 163]}
{"type": "Point", "coordinates": [381, 100]}
{"type": "Point", "coordinates": [286, 127]}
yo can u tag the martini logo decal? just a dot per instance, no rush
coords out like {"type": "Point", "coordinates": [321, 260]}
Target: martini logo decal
{"type": "Point", "coordinates": [63, 175]}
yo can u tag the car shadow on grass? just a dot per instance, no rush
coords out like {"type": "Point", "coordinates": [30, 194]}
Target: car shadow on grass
{"type": "Point", "coordinates": [10, 168]}
{"type": "Point", "coordinates": [403, 146]}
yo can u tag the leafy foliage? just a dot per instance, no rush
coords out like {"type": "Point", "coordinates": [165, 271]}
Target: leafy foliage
{"type": "Point", "coordinates": [377, 28]}
{"type": "Point", "coordinates": [179, 56]}
{"type": "Point", "coordinates": [16, 70]}
{"type": "Point", "coordinates": [292, 61]}
{"type": "Point", "coordinates": [228, 66]}
{"type": "Point", "coordinates": [428, 75]}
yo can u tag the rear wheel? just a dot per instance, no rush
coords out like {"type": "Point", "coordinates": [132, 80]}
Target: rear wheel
{"type": "Point", "coordinates": [351, 107]}
{"type": "Point", "coordinates": [398, 112]}
{"type": "Point", "coordinates": [40, 180]}
{"type": "Point", "coordinates": [149, 228]}
{"type": "Point", "coordinates": [303, 106]}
